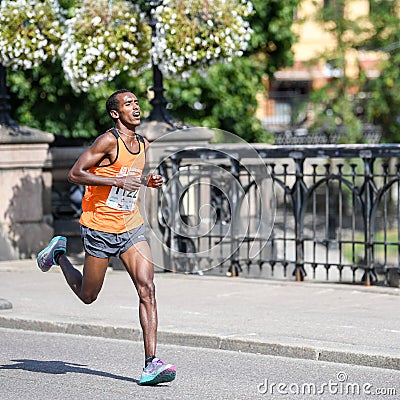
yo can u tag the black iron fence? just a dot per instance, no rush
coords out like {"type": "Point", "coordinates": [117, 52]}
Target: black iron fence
{"type": "Point", "coordinates": [311, 212]}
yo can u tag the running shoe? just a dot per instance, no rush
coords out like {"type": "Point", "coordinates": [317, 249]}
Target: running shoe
{"type": "Point", "coordinates": [157, 372]}
{"type": "Point", "coordinates": [46, 258]}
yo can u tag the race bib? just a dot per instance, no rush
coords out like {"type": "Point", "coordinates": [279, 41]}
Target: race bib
{"type": "Point", "coordinates": [121, 199]}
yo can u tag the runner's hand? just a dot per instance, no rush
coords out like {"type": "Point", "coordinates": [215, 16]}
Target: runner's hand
{"type": "Point", "coordinates": [129, 182]}
{"type": "Point", "coordinates": [154, 181]}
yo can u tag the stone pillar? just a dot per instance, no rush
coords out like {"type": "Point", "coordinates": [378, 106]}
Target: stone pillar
{"type": "Point", "coordinates": [163, 144]}
{"type": "Point", "coordinates": [25, 220]}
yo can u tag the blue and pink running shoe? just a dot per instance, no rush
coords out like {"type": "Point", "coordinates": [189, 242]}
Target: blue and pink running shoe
{"type": "Point", "coordinates": [157, 372]}
{"type": "Point", "coordinates": [47, 257]}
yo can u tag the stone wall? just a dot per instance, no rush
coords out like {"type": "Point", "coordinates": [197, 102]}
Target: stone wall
{"type": "Point", "coordinates": [25, 217]}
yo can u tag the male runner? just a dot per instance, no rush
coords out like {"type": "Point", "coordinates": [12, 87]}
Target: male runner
{"type": "Point", "coordinates": [111, 224]}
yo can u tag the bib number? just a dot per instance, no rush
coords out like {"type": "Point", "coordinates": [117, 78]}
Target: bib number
{"type": "Point", "coordinates": [121, 199]}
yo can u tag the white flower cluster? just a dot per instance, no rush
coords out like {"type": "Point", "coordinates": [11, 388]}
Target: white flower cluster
{"type": "Point", "coordinates": [103, 39]}
{"type": "Point", "coordinates": [31, 31]}
{"type": "Point", "coordinates": [106, 37]}
{"type": "Point", "coordinates": [197, 34]}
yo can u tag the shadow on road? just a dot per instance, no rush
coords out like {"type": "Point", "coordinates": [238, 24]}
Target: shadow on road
{"type": "Point", "coordinates": [61, 367]}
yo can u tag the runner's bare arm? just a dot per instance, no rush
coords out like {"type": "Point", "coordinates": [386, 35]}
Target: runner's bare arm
{"type": "Point", "coordinates": [151, 180]}
{"type": "Point", "coordinates": [104, 146]}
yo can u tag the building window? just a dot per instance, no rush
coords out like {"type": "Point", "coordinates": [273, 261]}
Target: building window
{"type": "Point", "coordinates": [287, 105]}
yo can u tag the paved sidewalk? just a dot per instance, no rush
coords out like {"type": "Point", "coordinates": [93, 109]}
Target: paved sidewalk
{"type": "Point", "coordinates": [330, 322]}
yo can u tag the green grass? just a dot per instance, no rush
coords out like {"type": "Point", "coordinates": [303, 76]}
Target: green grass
{"type": "Point", "coordinates": [392, 247]}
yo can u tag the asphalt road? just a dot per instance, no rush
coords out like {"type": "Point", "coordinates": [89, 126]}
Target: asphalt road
{"type": "Point", "coordinates": [48, 366]}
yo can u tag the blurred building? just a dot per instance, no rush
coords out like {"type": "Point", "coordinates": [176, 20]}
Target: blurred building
{"type": "Point", "coordinates": [286, 110]}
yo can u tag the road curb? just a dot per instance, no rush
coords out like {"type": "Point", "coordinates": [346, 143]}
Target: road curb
{"type": "Point", "coordinates": [369, 357]}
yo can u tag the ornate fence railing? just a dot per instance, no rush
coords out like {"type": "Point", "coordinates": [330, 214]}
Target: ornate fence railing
{"type": "Point", "coordinates": [321, 212]}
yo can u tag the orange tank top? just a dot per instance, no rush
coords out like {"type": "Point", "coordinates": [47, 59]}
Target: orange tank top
{"type": "Point", "coordinates": [108, 208]}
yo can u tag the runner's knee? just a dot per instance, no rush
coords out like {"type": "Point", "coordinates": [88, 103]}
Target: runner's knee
{"type": "Point", "coordinates": [88, 298]}
{"type": "Point", "coordinates": [147, 292]}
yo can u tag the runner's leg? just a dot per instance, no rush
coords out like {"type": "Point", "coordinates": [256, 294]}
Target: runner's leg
{"type": "Point", "coordinates": [137, 261]}
{"type": "Point", "coordinates": [88, 285]}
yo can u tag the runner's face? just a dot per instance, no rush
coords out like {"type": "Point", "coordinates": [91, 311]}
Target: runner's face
{"type": "Point", "coordinates": [129, 110]}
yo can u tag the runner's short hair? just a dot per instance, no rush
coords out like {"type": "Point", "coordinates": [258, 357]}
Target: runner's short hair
{"type": "Point", "coordinates": [112, 103]}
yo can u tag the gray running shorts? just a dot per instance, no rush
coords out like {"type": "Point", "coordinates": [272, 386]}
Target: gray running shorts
{"type": "Point", "coordinates": [104, 245]}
